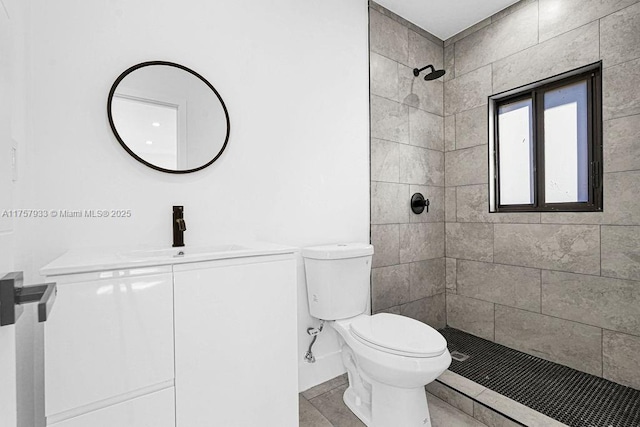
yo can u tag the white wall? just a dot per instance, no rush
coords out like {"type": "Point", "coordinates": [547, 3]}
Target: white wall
{"type": "Point", "coordinates": [294, 76]}
{"type": "Point", "coordinates": [7, 333]}
{"type": "Point", "coordinates": [13, 134]}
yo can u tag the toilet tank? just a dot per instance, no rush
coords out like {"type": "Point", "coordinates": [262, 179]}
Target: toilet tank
{"type": "Point", "coordinates": [338, 279]}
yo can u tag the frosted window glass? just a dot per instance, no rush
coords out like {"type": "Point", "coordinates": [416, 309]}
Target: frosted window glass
{"type": "Point", "coordinates": [566, 153]}
{"type": "Point", "coordinates": [516, 153]}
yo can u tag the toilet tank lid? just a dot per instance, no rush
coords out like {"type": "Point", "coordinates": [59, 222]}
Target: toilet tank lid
{"type": "Point", "coordinates": [338, 251]}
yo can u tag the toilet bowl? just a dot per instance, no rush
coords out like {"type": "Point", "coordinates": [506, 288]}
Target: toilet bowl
{"type": "Point", "coordinates": [389, 360]}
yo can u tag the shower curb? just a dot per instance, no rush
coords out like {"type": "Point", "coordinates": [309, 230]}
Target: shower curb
{"type": "Point", "coordinates": [458, 392]}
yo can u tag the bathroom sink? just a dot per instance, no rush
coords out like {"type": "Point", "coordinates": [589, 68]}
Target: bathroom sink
{"type": "Point", "coordinates": [101, 259]}
{"type": "Point", "coordinates": [186, 251]}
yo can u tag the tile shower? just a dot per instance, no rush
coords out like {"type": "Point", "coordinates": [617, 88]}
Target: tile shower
{"type": "Point", "coordinates": [407, 156]}
{"type": "Point", "coordinates": [561, 286]}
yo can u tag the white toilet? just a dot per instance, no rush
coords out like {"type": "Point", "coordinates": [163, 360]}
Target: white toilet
{"type": "Point", "coordinates": [389, 358]}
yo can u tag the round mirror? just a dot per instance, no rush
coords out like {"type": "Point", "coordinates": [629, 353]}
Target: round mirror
{"type": "Point", "coordinates": [168, 117]}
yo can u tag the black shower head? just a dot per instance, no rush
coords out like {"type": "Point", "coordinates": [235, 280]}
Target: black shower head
{"type": "Point", "coordinates": [434, 74]}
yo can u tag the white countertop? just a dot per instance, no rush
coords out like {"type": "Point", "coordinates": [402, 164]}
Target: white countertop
{"type": "Point", "coordinates": [101, 259]}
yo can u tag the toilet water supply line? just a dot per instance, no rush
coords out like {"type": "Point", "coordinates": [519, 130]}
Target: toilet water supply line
{"type": "Point", "coordinates": [314, 332]}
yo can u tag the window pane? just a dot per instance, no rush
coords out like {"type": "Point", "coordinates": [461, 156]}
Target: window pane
{"type": "Point", "coordinates": [566, 155]}
{"type": "Point", "coordinates": [515, 152]}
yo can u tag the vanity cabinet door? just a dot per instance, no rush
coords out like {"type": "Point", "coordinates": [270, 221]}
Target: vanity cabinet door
{"type": "Point", "coordinates": [108, 338]}
{"type": "Point", "coordinates": [236, 344]}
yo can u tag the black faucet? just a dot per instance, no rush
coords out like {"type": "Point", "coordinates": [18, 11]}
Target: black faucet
{"type": "Point", "coordinates": [179, 226]}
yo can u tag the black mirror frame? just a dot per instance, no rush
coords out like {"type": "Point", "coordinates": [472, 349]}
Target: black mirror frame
{"type": "Point", "coordinates": [134, 155]}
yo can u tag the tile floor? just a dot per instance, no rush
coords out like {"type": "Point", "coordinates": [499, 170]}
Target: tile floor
{"type": "Point", "coordinates": [322, 406]}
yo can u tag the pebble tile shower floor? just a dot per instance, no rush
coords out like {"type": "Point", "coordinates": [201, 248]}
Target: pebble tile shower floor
{"type": "Point", "coordinates": [572, 397]}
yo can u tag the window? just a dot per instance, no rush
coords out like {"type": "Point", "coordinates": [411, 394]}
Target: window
{"type": "Point", "coordinates": [545, 145]}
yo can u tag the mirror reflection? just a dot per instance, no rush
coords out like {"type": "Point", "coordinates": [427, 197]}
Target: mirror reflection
{"type": "Point", "coordinates": [168, 117]}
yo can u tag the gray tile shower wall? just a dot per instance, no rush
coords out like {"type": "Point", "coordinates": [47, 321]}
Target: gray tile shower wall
{"type": "Point", "coordinates": [407, 156]}
{"type": "Point", "coordinates": [561, 286]}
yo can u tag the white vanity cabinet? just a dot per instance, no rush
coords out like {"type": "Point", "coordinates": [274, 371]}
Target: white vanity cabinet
{"type": "Point", "coordinates": [109, 340]}
{"type": "Point", "coordinates": [236, 355]}
{"type": "Point", "coordinates": [203, 338]}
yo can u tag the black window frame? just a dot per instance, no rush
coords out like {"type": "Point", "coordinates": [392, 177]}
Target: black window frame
{"type": "Point", "coordinates": [592, 74]}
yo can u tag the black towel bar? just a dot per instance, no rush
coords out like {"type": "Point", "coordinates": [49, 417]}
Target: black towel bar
{"type": "Point", "coordinates": [13, 294]}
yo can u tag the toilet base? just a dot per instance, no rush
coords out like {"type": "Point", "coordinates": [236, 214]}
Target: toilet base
{"type": "Point", "coordinates": [359, 408]}
{"type": "Point", "coordinates": [392, 407]}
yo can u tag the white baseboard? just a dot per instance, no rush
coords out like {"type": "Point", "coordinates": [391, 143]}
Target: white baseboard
{"type": "Point", "coordinates": [326, 367]}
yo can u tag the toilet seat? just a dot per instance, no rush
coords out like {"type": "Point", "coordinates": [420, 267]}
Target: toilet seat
{"type": "Point", "coordinates": [399, 335]}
